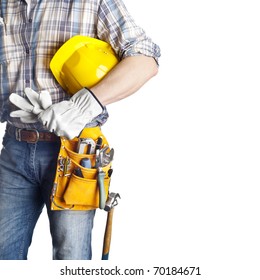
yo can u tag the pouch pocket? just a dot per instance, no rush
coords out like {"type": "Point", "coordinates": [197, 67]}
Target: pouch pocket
{"type": "Point", "coordinates": [77, 157]}
{"type": "Point", "coordinates": [88, 173]}
{"type": "Point", "coordinates": [81, 191]}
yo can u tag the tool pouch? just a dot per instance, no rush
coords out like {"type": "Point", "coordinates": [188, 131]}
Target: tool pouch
{"type": "Point", "coordinates": [72, 192]}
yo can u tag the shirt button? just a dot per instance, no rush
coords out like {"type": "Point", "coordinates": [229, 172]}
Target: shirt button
{"type": "Point", "coordinates": [30, 20]}
{"type": "Point", "coordinates": [27, 51]}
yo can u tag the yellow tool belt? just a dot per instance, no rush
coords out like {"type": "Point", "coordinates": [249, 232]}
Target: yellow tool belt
{"type": "Point", "coordinates": [74, 192]}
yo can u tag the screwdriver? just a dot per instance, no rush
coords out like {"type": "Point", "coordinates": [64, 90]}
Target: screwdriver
{"type": "Point", "coordinates": [85, 162]}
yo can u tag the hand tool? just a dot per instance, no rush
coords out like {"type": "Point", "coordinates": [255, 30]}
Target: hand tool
{"type": "Point", "coordinates": [102, 159]}
{"type": "Point", "coordinates": [102, 194]}
{"type": "Point", "coordinates": [85, 162]}
{"type": "Point", "coordinates": [111, 201]}
{"type": "Point", "coordinates": [100, 179]}
{"type": "Point", "coordinates": [101, 154]}
{"type": "Point", "coordinates": [110, 171]}
{"type": "Point", "coordinates": [61, 161]}
{"type": "Point", "coordinates": [88, 149]}
{"type": "Point", "coordinates": [99, 143]}
{"type": "Point", "coordinates": [67, 166]}
{"type": "Point", "coordinates": [107, 157]}
{"type": "Point", "coordinates": [78, 172]}
{"type": "Point", "coordinates": [110, 204]}
{"type": "Point", "coordinates": [86, 142]}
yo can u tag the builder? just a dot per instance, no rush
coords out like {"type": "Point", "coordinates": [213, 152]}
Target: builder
{"type": "Point", "coordinates": [31, 33]}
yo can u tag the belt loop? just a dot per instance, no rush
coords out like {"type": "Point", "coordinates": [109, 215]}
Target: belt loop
{"type": "Point", "coordinates": [18, 134]}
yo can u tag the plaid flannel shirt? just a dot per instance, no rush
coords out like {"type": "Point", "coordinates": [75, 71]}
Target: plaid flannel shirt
{"type": "Point", "coordinates": [28, 42]}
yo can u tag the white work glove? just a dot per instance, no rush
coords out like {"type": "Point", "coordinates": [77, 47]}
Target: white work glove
{"type": "Point", "coordinates": [30, 110]}
{"type": "Point", "coordinates": [66, 118]}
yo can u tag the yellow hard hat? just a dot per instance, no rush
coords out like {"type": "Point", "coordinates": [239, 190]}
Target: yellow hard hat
{"type": "Point", "coordinates": [82, 62]}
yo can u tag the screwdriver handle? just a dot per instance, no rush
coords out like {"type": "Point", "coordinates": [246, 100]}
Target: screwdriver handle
{"type": "Point", "coordinates": [85, 162]}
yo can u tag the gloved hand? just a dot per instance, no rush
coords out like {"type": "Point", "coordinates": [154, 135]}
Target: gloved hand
{"type": "Point", "coordinates": [30, 110]}
{"type": "Point", "coordinates": [66, 118]}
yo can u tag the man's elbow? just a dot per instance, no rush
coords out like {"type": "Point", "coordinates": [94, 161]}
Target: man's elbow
{"type": "Point", "coordinates": [155, 69]}
{"type": "Point", "coordinates": [152, 67]}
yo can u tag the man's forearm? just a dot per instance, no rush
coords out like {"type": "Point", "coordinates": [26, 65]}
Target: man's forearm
{"type": "Point", "coordinates": [125, 78]}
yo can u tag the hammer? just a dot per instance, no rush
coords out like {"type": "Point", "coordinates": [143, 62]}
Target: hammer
{"type": "Point", "coordinates": [109, 207]}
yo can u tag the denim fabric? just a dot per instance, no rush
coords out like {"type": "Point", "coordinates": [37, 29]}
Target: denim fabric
{"type": "Point", "coordinates": [26, 177]}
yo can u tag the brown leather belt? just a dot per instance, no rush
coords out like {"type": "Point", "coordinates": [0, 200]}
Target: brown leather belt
{"type": "Point", "coordinates": [31, 135]}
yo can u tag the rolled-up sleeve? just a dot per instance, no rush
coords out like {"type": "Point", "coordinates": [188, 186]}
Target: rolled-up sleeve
{"type": "Point", "coordinates": [117, 27]}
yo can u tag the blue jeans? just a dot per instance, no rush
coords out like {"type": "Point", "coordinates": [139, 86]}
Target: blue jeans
{"type": "Point", "coordinates": [26, 177]}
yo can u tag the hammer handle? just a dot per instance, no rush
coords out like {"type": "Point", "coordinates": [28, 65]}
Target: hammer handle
{"type": "Point", "coordinates": [108, 234]}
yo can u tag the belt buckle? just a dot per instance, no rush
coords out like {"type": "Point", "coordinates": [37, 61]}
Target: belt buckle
{"type": "Point", "coordinates": [19, 136]}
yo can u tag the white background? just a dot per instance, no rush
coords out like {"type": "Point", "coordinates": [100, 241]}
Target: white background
{"type": "Point", "coordinates": [187, 154]}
